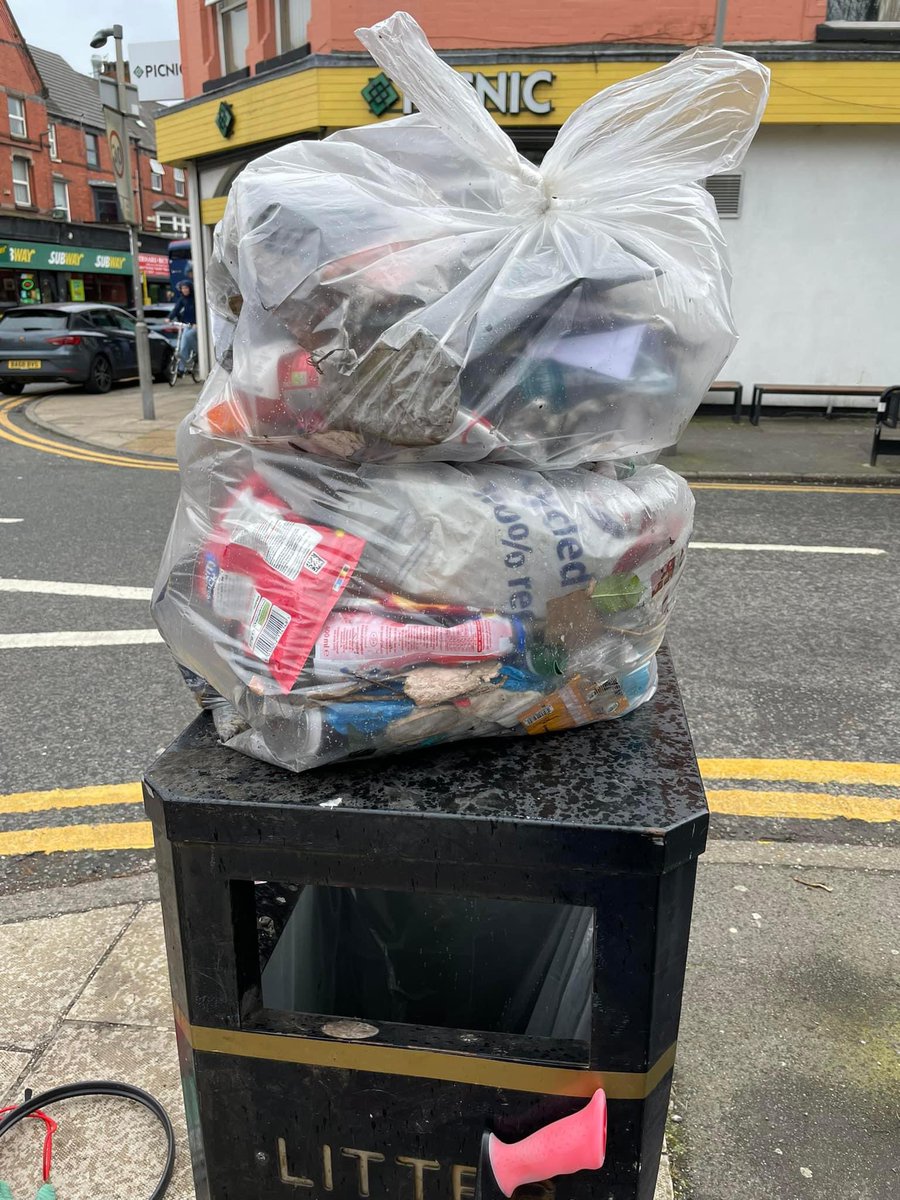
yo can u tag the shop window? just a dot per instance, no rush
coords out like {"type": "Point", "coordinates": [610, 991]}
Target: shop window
{"type": "Point", "coordinates": [92, 149]}
{"type": "Point", "coordinates": [293, 17]}
{"type": "Point", "coordinates": [61, 196]}
{"type": "Point", "coordinates": [51, 141]}
{"type": "Point", "coordinates": [234, 30]}
{"type": "Point", "coordinates": [21, 173]}
{"type": "Point", "coordinates": [179, 182]}
{"type": "Point", "coordinates": [17, 125]}
{"type": "Point", "coordinates": [106, 205]}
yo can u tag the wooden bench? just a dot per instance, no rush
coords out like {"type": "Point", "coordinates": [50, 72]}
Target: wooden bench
{"type": "Point", "coordinates": [737, 390]}
{"type": "Point", "coordinates": [887, 417]}
{"type": "Point", "coordinates": [805, 389]}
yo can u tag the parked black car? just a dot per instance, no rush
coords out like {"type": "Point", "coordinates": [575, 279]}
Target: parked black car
{"type": "Point", "coordinates": [91, 344]}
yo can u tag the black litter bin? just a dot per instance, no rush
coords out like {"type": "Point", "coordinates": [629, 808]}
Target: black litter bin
{"type": "Point", "coordinates": [372, 963]}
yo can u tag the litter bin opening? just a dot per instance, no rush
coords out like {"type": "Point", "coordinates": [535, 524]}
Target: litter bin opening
{"type": "Point", "coordinates": [453, 962]}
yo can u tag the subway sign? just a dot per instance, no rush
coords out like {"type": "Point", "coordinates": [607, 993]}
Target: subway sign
{"type": "Point", "coordinates": [37, 256]}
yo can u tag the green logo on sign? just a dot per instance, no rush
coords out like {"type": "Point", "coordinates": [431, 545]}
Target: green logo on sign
{"type": "Point", "coordinates": [380, 94]}
{"type": "Point", "coordinates": [225, 120]}
{"type": "Point", "coordinates": [139, 71]}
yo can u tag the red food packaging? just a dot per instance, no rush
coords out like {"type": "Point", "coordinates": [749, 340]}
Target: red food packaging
{"type": "Point", "coordinates": [276, 577]}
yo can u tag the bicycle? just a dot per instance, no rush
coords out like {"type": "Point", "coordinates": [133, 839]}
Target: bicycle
{"type": "Point", "coordinates": [191, 362]}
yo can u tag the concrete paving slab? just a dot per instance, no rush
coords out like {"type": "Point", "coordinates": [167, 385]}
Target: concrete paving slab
{"type": "Point", "coordinates": [132, 985]}
{"type": "Point", "coordinates": [12, 1064]}
{"type": "Point", "coordinates": [45, 965]}
{"type": "Point", "coordinates": [787, 1083]}
{"type": "Point", "coordinates": [104, 1147]}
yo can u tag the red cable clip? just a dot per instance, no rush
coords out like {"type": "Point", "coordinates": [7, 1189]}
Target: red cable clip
{"type": "Point", "coordinates": [50, 1128]}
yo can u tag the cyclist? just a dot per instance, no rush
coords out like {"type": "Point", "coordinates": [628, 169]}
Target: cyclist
{"type": "Point", "coordinates": [185, 310]}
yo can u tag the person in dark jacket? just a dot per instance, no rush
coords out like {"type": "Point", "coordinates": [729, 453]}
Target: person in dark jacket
{"type": "Point", "coordinates": [185, 311]}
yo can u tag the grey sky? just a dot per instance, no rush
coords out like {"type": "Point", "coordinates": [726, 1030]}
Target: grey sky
{"type": "Point", "coordinates": [67, 26]}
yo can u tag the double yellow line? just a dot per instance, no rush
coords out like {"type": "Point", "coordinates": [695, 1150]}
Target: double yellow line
{"type": "Point", "coordinates": [796, 804]}
{"type": "Point", "coordinates": [11, 432]}
{"type": "Point", "coordinates": [871, 490]}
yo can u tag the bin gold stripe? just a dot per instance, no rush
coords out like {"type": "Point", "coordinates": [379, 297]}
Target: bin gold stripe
{"type": "Point", "coordinates": [430, 1064]}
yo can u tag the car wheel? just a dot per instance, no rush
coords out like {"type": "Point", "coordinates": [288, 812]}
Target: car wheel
{"type": "Point", "coordinates": [161, 375]}
{"type": "Point", "coordinates": [11, 387]}
{"type": "Point", "coordinates": [100, 378]}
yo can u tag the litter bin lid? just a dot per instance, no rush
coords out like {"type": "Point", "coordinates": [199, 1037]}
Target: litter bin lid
{"type": "Point", "coordinates": [628, 790]}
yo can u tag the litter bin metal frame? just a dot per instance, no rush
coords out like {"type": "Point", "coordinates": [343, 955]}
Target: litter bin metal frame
{"type": "Point", "coordinates": [612, 816]}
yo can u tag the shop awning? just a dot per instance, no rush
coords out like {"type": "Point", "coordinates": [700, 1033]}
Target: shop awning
{"type": "Point", "coordinates": [154, 266]}
{"type": "Point", "coordinates": [41, 256]}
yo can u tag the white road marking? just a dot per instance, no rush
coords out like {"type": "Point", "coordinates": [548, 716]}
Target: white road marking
{"type": "Point", "coordinates": [786, 549]}
{"type": "Point", "coordinates": [79, 638]}
{"type": "Point", "coordinates": [52, 587]}
{"type": "Point", "coordinates": [11, 520]}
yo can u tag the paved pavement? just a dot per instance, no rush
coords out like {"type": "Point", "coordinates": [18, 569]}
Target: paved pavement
{"type": "Point", "coordinates": [789, 683]}
{"type": "Point", "coordinates": [810, 448]}
{"type": "Point", "coordinates": [114, 421]}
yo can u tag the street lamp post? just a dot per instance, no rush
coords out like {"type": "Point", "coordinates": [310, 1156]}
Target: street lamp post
{"type": "Point", "coordinates": [721, 13]}
{"type": "Point", "coordinates": [142, 338]}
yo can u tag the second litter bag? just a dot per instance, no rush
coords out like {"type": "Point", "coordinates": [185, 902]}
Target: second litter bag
{"type": "Point", "coordinates": [346, 610]}
{"type": "Point", "coordinates": [418, 290]}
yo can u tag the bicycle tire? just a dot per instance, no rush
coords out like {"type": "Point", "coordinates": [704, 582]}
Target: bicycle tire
{"type": "Point", "coordinates": [104, 1087]}
{"type": "Point", "coordinates": [172, 369]}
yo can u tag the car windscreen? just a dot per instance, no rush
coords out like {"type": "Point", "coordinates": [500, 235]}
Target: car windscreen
{"type": "Point", "coordinates": [22, 322]}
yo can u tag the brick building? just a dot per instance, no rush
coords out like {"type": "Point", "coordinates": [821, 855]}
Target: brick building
{"type": "Point", "coordinates": [810, 218]}
{"type": "Point", "coordinates": [61, 235]}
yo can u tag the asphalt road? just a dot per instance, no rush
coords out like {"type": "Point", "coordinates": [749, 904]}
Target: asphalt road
{"type": "Point", "coordinates": [788, 1070]}
{"type": "Point", "coordinates": [780, 655]}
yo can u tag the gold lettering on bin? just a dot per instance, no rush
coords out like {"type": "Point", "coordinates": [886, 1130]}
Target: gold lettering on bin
{"type": "Point", "coordinates": [327, 1169]}
{"type": "Point", "coordinates": [419, 1167]}
{"type": "Point", "coordinates": [459, 1176]}
{"type": "Point", "coordinates": [364, 1157]}
{"type": "Point", "coordinates": [284, 1173]}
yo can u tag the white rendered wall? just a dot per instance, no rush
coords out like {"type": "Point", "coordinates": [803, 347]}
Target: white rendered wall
{"type": "Point", "coordinates": [816, 257]}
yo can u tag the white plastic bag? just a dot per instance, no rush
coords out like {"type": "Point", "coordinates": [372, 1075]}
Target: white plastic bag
{"type": "Point", "coordinates": [355, 610]}
{"type": "Point", "coordinates": [417, 290]}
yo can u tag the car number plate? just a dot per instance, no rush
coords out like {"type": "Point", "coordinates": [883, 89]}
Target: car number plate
{"type": "Point", "coordinates": [24, 364]}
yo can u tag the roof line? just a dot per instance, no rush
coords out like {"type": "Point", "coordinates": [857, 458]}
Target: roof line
{"type": "Point", "coordinates": [24, 45]}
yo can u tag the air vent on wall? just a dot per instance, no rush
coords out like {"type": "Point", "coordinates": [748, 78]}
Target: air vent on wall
{"type": "Point", "coordinates": [726, 191]}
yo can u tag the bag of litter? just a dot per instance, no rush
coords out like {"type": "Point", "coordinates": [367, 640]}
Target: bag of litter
{"type": "Point", "coordinates": [417, 290]}
{"type": "Point", "coordinates": [341, 610]}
